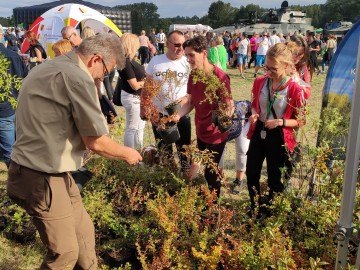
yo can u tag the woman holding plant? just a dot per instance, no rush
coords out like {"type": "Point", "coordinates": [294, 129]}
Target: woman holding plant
{"type": "Point", "coordinates": [277, 109]}
{"type": "Point", "coordinates": [208, 91]}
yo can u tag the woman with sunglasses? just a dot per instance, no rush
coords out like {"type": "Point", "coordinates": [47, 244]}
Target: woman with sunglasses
{"type": "Point", "coordinates": [277, 109]}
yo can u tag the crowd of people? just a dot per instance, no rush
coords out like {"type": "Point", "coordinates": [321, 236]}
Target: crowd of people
{"type": "Point", "coordinates": [60, 115]}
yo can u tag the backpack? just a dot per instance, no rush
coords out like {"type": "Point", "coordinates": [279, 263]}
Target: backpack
{"type": "Point", "coordinates": [241, 115]}
{"type": "Point", "coordinates": [233, 44]}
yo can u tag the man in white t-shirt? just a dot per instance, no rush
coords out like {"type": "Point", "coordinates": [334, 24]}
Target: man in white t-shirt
{"type": "Point", "coordinates": [274, 39]}
{"type": "Point", "coordinates": [263, 46]}
{"type": "Point", "coordinates": [243, 52]}
{"type": "Point", "coordinates": [161, 41]}
{"type": "Point", "coordinates": [176, 90]}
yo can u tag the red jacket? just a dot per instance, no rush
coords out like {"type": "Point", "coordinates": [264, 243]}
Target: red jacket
{"type": "Point", "coordinates": [294, 109]}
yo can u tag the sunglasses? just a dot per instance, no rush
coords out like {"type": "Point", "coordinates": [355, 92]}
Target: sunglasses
{"type": "Point", "coordinates": [176, 45]}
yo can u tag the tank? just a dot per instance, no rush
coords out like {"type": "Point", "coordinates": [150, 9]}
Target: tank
{"type": "Point", "coordinates": [339, 28]}
{"type": "Point", "coordinates": [283, 20]}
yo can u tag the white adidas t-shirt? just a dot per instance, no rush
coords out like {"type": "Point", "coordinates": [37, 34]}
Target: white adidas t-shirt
{"type": "Point", "coordinates": [171, 90]}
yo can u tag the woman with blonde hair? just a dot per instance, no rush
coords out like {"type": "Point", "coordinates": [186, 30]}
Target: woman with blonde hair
{"type": "Point", "coordinates": [61, 46]}
{"type": "Point", "coordinates": [131, 81]}
{"type": "Point", "coordinates": [87, 32]}
{"type": "Point", "coordinates": [300, 52]}
{"type": "Point", "coordinates": [277, 109]}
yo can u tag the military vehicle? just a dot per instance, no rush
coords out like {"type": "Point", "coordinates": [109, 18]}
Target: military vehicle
{"type": "Point", "coordinates": [338, 28]}
{"type": "Point", "coordinates": [283, 20]}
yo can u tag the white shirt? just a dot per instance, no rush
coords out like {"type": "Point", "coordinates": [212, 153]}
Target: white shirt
{"type": "Point", "coordinates": [263, 47]}
{"type": "Point", "coordinates": [157, 68]}
{"type": "Point", "coordinates": [273, 40]}
{"type": "Point", "coordinates": [160, 37]}
{"type": "Point", "coordinates": [243, 46]}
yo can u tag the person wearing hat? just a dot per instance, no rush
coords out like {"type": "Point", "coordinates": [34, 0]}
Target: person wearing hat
{"type": "Point", "coordinates": [263, 46]}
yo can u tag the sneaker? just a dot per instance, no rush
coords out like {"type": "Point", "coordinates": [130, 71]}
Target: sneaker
{"type": "Point", "coordinates": [237, 186]}
{"type": "Point", "coordinates": [242, 76]}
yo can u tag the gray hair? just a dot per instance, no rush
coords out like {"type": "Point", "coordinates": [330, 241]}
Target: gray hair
{"type": "Point", "coordinates": [106, 45]}
{"type": "Point", "coordinates": [68, 30]}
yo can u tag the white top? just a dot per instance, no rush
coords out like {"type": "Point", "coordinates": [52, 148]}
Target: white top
{"type": "Point", "coordinates": [160, 37]}
{"type": "Point", "coordinates": [243, 46]}
{"type": "Point", "coordinates": [280, 104]}
{"type": "Point", "coordinates": [273, 40]}
{"type": "Point", "coordinates": [263, 46]}
{"type": "Point", "coordinates": [172, 90]}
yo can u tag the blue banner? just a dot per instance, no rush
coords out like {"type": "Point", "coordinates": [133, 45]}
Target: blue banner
{"type": "Point", "coordinates": [338, 93]}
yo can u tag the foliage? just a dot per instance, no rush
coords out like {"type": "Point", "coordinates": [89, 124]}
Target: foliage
{"type": "Point", "coordinates": [164, 91]}
{"type": "Point", "coordinates": [144, 16]}
{"type": "Point", "coordinates": [243, 12]}
{"type": "Point", "coordinates": [221, 14]}
{"type": "Point", "coordinates": [8, 82]}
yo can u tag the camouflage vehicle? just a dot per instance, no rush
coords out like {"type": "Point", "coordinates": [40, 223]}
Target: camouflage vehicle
{"type": "Point", "coordinates": [338, 28]}
{"type": "Point", "coordinates": [283, 20]}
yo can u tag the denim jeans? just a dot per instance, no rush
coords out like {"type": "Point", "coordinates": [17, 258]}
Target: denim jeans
{"type": "Point", "coordinates": [7, 137]}
{"type": "Point", "coordinates": [134, 129]}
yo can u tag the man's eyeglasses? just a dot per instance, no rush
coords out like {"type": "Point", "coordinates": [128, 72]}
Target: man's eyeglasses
{"type": "Point", "coordinates": [176, 45]}
{"type": "Point", "coordinates": [106, 73]}
{"type": "Point", "coordinates": [68, 38]}
{"type": "Point", "coordinates": [271, 69]}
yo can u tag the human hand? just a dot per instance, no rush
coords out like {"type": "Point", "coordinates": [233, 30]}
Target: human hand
{"type": "Point", "coordinates": [273, 123]}
{"type": "Point", "coordinates": [133, 157]}
{"type": "Point", "coordinates": [174, 118]}
{"type": "Point", "coordinates": [253, 118]}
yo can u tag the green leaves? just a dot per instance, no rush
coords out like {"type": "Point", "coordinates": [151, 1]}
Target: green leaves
{"type": "Point", "coordinates": [7, 81]}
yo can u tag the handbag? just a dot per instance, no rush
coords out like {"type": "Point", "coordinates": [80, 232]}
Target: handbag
{"type": "Point", "coordinates": [117, 93]}
{"type": "Point", "coordinates": [108, 109]}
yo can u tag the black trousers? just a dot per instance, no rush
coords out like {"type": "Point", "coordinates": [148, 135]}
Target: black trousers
{"type": "Point", "coordinates": [253, 58]}
{"type": "Point", "coordinates": [184, 126]}
{"type": "Point", "coordinates": [161, 48]}
{"type": "Point", "coordinates": [144, 55]}
{"type": "Point", "coordinates": [273, 150]}
{"type": "Point", "coordinates": [211, 177]}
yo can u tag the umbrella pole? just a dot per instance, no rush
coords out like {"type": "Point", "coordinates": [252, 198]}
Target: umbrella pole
{"type": "Point", "coordinates": [344, 224]}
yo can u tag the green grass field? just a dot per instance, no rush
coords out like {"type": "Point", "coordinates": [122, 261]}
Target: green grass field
{"type": "Point", "coordinates": [16, 256]}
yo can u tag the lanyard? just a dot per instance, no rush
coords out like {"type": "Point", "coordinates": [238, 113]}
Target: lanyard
{"type": "Point", "coordinates": [271, 101]}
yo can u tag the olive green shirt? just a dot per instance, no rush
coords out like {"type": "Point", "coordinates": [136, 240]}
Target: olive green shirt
{"type": "Point", "coordinates": [57, 105]}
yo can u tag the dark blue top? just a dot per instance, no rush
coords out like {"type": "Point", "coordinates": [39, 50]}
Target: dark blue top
{"type": "Point", "coordinates": [12, 42]}
{"type": "Point", "coordinates": [17, 67]}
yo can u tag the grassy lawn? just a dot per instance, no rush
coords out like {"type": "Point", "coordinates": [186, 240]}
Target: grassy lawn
{"type": "Point", "coordinates": [16, 256]}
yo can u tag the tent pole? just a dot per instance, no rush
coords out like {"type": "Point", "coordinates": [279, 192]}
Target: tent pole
{"type": "Point", "coordinates": [344, 224]}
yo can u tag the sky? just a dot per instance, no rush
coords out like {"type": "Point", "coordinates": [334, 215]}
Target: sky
{"type": "Point", "coordinates": [166, 8]}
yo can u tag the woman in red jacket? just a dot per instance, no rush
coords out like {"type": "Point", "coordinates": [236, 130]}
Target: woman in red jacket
{"type": "Point", "coordinates": [277, 106]}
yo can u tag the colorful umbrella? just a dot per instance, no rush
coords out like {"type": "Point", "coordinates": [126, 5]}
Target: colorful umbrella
{"type": "Point", "coordinates": [48, 26]}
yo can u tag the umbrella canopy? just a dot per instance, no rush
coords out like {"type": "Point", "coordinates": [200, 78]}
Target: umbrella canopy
{"type": "Point", "coordinates": [48, 26]}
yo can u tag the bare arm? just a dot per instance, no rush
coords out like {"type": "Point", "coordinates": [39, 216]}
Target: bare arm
{"type": "Point", "coordinates": [135, 85]}
{"type": "Point", "coordinates": [186, 107]}
{"type": "Point", "coordinates": [38, 55]}
{"type": "Point", "coordinates": [108, 148]}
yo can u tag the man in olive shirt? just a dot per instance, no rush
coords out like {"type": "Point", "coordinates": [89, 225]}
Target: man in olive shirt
{"type": "Point", "coordinates": [58, 116]}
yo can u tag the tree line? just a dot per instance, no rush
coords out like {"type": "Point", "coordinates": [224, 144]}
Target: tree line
{"type": "Point", "coordinates": [145, 15]}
